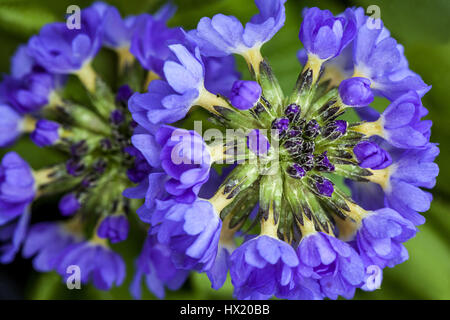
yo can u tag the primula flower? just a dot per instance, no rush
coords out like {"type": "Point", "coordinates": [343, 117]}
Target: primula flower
{"type": "Point", "coordinates": [190, 230]}
{"type": "Point", "coordinates": [45, 242]}
{"type": "Point", "coordinates": [223, 35]}
{"type": "Point", "coordinates": [99, 264]}
{"type": "Point", "coordinates": [155, 264]}
{"type": "Point", "coordinates": [11, 125]}
{"type": "Point", "coordinates": [182, 155]}
{"type": "Point", "coordinates": [323, 35]}
{"type": "Point", "coordinates": [61, 50]}
{"type": "Point", "coordinates": [261, 266]}
{"type": "Point", "coordinates": [337, 267]}
{"type": "Point", "coordinates": [114, 228]}
{"type": "Point", "coordinates": [17, 187]}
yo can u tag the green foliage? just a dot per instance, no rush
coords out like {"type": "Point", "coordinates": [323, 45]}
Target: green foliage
{"type": "Point", "coordinates": [421, 26]}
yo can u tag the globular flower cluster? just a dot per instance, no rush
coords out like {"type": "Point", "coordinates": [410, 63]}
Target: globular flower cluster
{"type": "Point", "coordinates": [274, 218]}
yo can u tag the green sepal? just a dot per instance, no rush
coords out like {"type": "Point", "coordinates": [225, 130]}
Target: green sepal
{"type": "Point", "coordinates": [134, 76]}
{"type": "Point", "coordinates": [271, 89]}
{"type": "Point", "coordinates": [242, 177]}
{"type": "Point", "coordinates": [242, 206]}
{"type": "Point", "coordinates": [103, 98]}
{"type": "Point", "coordinates": [352, 171]}
{"type": "Point", "coordinates": [271, 194]}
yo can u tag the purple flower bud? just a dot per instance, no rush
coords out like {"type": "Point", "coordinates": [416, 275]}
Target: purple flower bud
{"type": "Point", "coordinates": [245, 94]}
{"type": "Point", "coordinates": [69, 205]}
{"type": "Point", "coordinates": [280, 124]}
{"type": "Point", "coordinates": [323, 163]}
{"type": "Point", "coordinates": [124, 93]}
{"type": "Point", "coordinates": [292, 111]}
{"type": "Point", "coordinates": [258, 143]}
{"type": "Point", "coordinates": [116, 117]}
{"type": "Point", "coordinates": [312, 129]}
{"type": "Point", "coordinates": [307, 161]}
{"type": "Point", "coordinates": [356, 92]}
{"type": "Point", "coordinates": [74, 167]}
{"type": "Point", "coordinates": [370, 155]}
{"type": "Point", "coordinates": [114, 228]}
{"type": "Point", "coordinates": [296, 171]}
{"type": "Point", "coordinates": [325, 187]}
{"type": "Point", "coordinates": [341, 126]}
{"type": "Point", "coordinates": [46, 133]}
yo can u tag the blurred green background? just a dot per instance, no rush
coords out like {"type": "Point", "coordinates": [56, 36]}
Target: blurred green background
{"type": "Point", "coordinates": [423, 27]}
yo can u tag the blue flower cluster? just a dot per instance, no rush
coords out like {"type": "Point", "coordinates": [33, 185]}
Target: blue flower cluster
{"type": "Point", "coordinates": [281, 230]}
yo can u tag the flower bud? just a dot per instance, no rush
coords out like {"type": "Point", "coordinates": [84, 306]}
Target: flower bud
{"type": "Point", "coordinates": [69, 205]}
{"type": "Point", "coordinates": [370, 155]}
{"type": "Point", "coordinates": [245, 94]}
{"type": "Point", "coordinates": [356, 92]}
{"type": "Point", "coordinates": [46, 133]}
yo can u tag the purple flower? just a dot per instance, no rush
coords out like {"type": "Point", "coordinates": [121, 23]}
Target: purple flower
{"type": "Point", "coordinates": [219, 271]}
{"type": "Point", "coordinates": [220, 74]}
{"type": "Point", "coordinates": [223, 35]}
{"type": "Point", "coordinates": [29, 93]}
{"type": "Point", "coordinates": [45, 242]}
{"type": "Point", "coordinates": [63, 50]}
{"type": "Point", "coordinates": [169, 101]}
{"type": "Point", "coordinates": [155, 264]}
{"type": "Point", "coordinates": [401, 122]}
{"type": "Point", "coordinates": [114, 228]}
{"type": "Point", "coordinates": [324, 35]}
{"type": "Point", "coordinates": [380, 58]}
{"type": "Point", "coordinates": [370, 155]}
{"type": "Point", "coordinates": [182, 155]}
{"type": "Point", "coordinates": [356, 92]}
{"type": "Point", "coordinates": [333, 263]}
{"type": "Point", "coordinates": [141, 168]}
{"type": "Point", "coordinates": [10, 125]}
{"type": "Point", "coordinates": [45, 133]}
{"type": "Point", "coordinates": [400, 187]}
{"type": "Point", "coordinates": [117, 31]}
{"type": "Point", "coordinates": [380, 237]}
{"type": "Point", "coordinates": [260, 267]}
{"type": "Point", "coordinates": [98, 264]}
{"type": "Point", "coordinates": [12, 234]}
{"type": "Point", "coordinates": [191, 231]}
{"type": "Point", "coordinates": [245, 94]}
{"type": "Point", "coordinates": [69, 205]}
{"type": "Point", "coordinates": [151, 42]}
{"type": "Point", "coordinates": [258, 142]}
{"type": "Point", "coordinates": [17, 187]}
{"type": "Point", "coordinates": [412, 170]}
